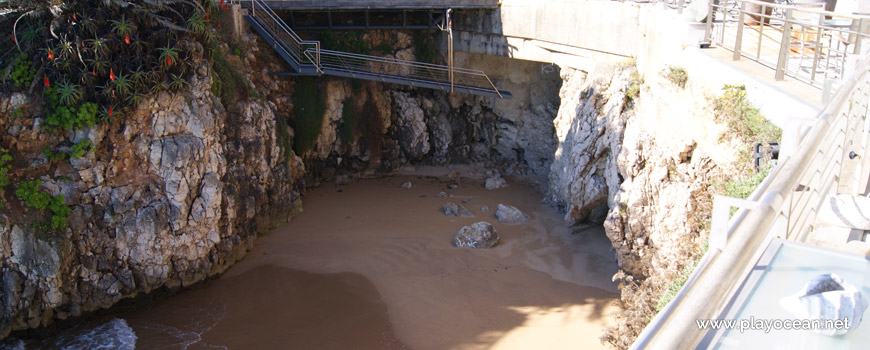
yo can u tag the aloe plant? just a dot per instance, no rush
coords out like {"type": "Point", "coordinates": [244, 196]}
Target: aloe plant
{"type": "Point", "coordinates": [68, 93]}
{"type": "Point", "coordinates": [168, 55]}
{"type": "Point", "coordinates": [123, 28]}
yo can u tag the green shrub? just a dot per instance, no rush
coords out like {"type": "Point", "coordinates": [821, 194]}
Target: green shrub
{"type": "Point", "coordinates": [29, 192]}
{"type": "Point", "coordinates": [54, 155]}
{"type": "Point", "coordinates": [677, 76]}
{"type": "Point", "coordinates": [81, 148]}
{"type": "Point", "coordinates": [60, 212]}
{"type": "Point", "coordinates": [5, 167]}
{"type": "Point", "coordinates": [22, 71]}
{"type": "Point", "coordinates": [309, 107]}
{"type": "Point", "coordinates": [742, 118]}
{"type": "Point", "coordinates": [87, 115]}
{"type": "Point", "coordinates": [228, 83]}
{"type": "Point", "coordinates": [742, 186]}
{"type": "Point", "coordinates": [743, 121]}
{"type": "Point", "coordinates": [632, 92]}
{"type": "Point", "coordinates": [674, 288]}
{"type": "Point", "coordinates": [59, 117]}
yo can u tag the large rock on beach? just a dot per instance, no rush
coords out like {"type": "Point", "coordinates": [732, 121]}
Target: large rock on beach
{"type": "Point", "coordinates": [477, 235]}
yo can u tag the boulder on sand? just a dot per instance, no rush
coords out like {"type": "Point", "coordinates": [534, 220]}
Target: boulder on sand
{"type": "Point", "coordinates": [477, 235]}
{"type": "Point", "coordinates": [507, 214]}
{"type": "Point", "coordinates": [495, 182]}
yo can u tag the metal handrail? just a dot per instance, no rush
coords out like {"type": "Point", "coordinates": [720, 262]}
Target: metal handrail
{"type": "Point", "coordinates": [310, 53]}
{"type": "Point", "coordinates": [295, 46]}
{"type": "Point", "coordinates": [411, 70]}
{"type": "Point", "coordinates": [811, 56]}
{"type": "Point", "coordinates": [801, 181]}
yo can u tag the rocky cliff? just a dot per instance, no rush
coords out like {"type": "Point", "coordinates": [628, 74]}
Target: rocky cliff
{"type": "Point", "coordinates": [420, 126]}
{"type": "Point", "coordinates": [173, 192]}
{"type": "Point", "coordinates": [176, 190]}
{"type": "Point", "coordinates": [640, 156]}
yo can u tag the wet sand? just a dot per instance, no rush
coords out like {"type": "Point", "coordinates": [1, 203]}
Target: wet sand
{"type": "Point", "coordinates": [370, 265]}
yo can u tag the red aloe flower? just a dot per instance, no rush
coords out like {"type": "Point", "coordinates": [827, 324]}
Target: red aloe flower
{"type": "Point", "coordinates": [110, 111]}
{"type": "Point", "coordinates": [74, 16]}
{"type": "Point", "coordinates": [45, 81]}
{"type": "Point", "coordinates": [207, 12]}
{"type": "Point", "coordinates": [13, 38]}
{"type": "Point", "coordinates": [50, 55]}
{"type": "Point", "coordinates": [226, 6]}
{"type": "Point", "coordinates": [127, 39]}
{"type": "Point", "coordinates": [219, 24]}
{"type": "Point", "coordinates": [168, 60]}
{"type": "Point", "coordinates": [111, 74]}
{"type": "Point", "coordinates": [222, 4]}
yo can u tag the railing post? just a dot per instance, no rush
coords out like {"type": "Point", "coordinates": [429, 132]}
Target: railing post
{"type": "Point", "coordinates": [784, 46]}
{"type": "Point", "coordinates": [738, 41]}
{"type": "Point", "coordinates": [708, 27]}
{"type": "Point", "coordinates": [859, 33]}
{"type": "Point", "coordinates": [817, 51]}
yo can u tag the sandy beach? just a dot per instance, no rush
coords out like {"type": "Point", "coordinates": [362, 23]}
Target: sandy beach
{"type": "Point", "coordinates": [371, 265]}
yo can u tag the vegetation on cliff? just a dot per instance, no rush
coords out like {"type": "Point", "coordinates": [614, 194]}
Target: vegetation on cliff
{"type": "Point", "coordinates": [84, 62]}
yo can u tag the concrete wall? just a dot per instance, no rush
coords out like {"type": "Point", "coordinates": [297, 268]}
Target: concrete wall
{"type": "Point", "coordinates": [572, 33]}
{"type": "Point", "coordinates": [583, 34]}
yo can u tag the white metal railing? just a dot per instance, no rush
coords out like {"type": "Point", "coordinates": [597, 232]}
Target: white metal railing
{"type": "Point", "coordinates": [285, 37]}
{"type": "Point", "coordinates": [784, 205]}
{"type": "Point", "coordinates": [310, 53]}
{"type": "Point", "coordinates": [799, 40]}
{"type": "Point", "coordinates": [413, 71]}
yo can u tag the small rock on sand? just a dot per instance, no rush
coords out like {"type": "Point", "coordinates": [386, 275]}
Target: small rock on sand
{"type": "Point", "coordinates": [508, 214]}
{"type": "Point", "coordinates": [451, 209]}
{"type": "Point", "coordinates": [477, 235]}
{"type": "Point", "coordinates": [441, 195]}
{"type": "Point", "coordinates": [484, 208]}
{"type": "Point", "coordinates": [406, 185]}
{"type": "Point", "coordinates": [495, 182]}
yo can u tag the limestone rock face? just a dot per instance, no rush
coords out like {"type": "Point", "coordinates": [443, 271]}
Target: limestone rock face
{"type": "Point", "coordinates": [508, 214]}
{"type": "Point", "coordinates": [622, 161]}
{"type": "Point", "coordinates": [173, 194]}
{"type": "Point", "coordinates": [515, 136]}
{"type": "Point", "coordinates": [413, 133]}
{"type": "Point", "coordinates": [477, 235]}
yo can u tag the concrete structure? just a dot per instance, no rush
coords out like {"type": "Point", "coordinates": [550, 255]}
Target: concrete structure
{"type": "Point", "coordinates": [547, 31]}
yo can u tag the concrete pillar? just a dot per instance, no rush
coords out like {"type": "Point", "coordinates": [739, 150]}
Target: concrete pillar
{"type": "Point", "coordinates": [235, 21]}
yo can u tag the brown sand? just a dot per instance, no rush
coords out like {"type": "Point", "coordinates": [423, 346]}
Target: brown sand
{"type": "Point", "coordinates": [380, 272]}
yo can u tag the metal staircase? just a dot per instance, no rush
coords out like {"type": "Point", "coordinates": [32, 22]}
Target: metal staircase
{"type": "Point", "coordinates": [306, 57]}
